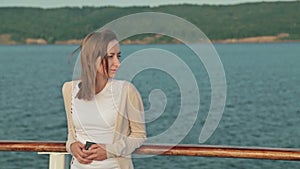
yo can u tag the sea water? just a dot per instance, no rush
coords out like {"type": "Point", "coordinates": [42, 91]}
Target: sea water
{"type": "Point", "coordinates": [262, 107]}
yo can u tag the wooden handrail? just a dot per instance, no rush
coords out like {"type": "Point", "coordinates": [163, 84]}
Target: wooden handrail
{"type": "Point", "coordinates": [178, 150]}
{"type": "Point", "coordinates": [35, 146]}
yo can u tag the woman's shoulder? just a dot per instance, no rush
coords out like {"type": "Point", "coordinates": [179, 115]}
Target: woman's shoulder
{"type": "Point", "coordinates": [120, 82]}
{"type": "Point", "coordinates": [124, 82]}
{"type": "Point", "coordinates": [70, 84]}
{"type": "Point", "coordinates": [125, 85]}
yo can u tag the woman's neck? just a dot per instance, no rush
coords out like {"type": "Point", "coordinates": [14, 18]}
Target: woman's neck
{"type": "Point", "coordinates": [100, 84]}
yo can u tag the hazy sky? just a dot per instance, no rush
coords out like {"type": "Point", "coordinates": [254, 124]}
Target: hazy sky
{"type": "Point", "coordinates": [80, 3]}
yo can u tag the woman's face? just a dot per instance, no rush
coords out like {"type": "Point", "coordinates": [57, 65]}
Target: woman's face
{"type": "Point", "coordinates": [113, 58]}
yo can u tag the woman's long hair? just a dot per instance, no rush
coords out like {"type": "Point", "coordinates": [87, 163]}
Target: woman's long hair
{"type": "Point", "coordinates": [94, 45]}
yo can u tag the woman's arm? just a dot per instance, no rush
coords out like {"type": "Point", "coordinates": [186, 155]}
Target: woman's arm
{"type": "Point", "coordinates": [70, 141]}
{"type": "Point", "coordinates": [72, 145]}
{"type": "Point", "coordinates": [67, 94]}
{"type": "Point", "coordinates": [137, 133]}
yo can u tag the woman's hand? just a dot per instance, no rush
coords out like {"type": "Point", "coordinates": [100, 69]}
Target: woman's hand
{"type": "Point", "coordinates": [96, 152]}
{"type": "Point", "coordinates": [77, 149]}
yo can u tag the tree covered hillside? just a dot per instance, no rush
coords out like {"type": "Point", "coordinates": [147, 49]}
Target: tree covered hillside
{"type": "Point", "coordinates": [217, 22]}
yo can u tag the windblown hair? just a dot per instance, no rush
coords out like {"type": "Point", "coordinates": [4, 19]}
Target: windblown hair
{"type": "Point", "coordinates": [94, 45]}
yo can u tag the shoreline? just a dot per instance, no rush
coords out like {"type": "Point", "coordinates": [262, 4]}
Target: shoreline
{"type": "Point", "coordinates": [5, 39]}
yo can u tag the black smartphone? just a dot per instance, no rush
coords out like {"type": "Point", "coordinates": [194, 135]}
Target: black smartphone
{"type": "Point", "coordinates": [88, 144]}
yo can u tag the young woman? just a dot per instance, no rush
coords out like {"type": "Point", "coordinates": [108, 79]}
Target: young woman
{"type": "Point", "coordinates": [102, 110]}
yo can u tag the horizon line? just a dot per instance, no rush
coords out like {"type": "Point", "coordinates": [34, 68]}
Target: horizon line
{"type": "Point", "coordinates": [150, 6]}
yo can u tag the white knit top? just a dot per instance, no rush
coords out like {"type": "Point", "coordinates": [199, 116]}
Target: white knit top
{"type": "Point", "coordinates": [95, 120]}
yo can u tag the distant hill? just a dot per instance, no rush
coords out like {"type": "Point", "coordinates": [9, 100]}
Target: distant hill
{"type": "Point", "coordinates": [218, 22]}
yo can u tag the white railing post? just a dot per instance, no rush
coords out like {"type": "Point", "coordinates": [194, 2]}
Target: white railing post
{"type": "Point", "coordinates": [56, 159]}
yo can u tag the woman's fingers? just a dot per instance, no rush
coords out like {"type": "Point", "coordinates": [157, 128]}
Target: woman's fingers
{"type": "Point", "coordinates": [83, 160]}
{"type": "Point", "coordinates": [92, 157]}
{"type": "Point", "coordinates": [95, 146]}
{"type": "Point", "coordinates": [81, 145]}
{"type": "Point", "coordinates": [97, 156]}
{"type": "Point", "coordinates": [96, 152]}
{"type": "Point", "coordinates": [80, 155]}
